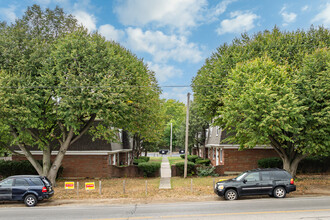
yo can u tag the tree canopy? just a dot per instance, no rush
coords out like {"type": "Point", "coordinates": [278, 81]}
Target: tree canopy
{"type": "Point", "coordinates": [56, 79]}
{"type": "Point", "coordinates": [271, 88]}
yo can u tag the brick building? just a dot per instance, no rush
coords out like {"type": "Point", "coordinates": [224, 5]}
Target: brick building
{"type": "Point", "coordinates": [226, 157]}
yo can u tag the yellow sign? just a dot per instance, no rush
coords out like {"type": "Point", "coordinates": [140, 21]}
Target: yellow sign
{"type": "Point", "coordinates": [89, 186]}
{"type": "Point", "coordinates": [69, 185]}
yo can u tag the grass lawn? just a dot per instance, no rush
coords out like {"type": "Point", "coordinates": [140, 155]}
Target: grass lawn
{"type": "Point", "coordinates": [155, 159]}
{"type": "Point", "coordinates": [174, 160]}
{"type": "Point", "coordinates": [190, 188]}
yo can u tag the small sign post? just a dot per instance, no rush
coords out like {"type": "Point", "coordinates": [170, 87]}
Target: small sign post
{"type": "Point", "coordinates": [69, 185]}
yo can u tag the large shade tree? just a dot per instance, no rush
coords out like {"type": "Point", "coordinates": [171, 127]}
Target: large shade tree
{"type": "Point", "coordinates": [56, 79]}
{"type": "Point", "coordinates": [271, 88]}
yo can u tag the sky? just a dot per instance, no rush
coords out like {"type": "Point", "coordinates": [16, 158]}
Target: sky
{"type": "Point", "coordinates": [174, 37]}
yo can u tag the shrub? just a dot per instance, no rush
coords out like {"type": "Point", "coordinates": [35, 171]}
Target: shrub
{"type": "Point", "coordinates": [146, 159]}
{"type": "Point", "coordinates": [24, 167]}
{"type": "Point", "coordinates": [271, 162]}
{"type": "Point", "coordinates": [205, 162]}
{"type": "Point", "coordinates": [191, 158]}
{"type": "Point", "coordinates": [190, 168]}
{"type": "Point", "coordinates": [149, 169]}
{"type": "Point", "coordinates": [206, 171]}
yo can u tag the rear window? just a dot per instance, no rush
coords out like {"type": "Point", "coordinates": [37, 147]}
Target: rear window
{"type": "Point", "coordinates": [280, 175]}
{"type": "Point", "coordinates": [265, 175]}
{"type": "Point", "coordinates": [37, 181]}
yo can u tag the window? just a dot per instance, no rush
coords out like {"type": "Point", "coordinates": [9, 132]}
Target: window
{"type": "Point", "coordinates": [279, 175]}
{"type": "Point", "coordinates": [7, 183]}
{"type": "Point", "coordinates": [220, 155]}
{"type": "Point", "coordinates": [252, 177]}
{"type": "Point", "coordinates": [21, 182]}
{"type": "Point", "coordinates": [265, 175]}
{"type": "Point", "coordinates": [37, 181]}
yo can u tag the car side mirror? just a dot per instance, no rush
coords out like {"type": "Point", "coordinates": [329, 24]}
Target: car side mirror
{"type": "Point", "coordinates": [244, 181]}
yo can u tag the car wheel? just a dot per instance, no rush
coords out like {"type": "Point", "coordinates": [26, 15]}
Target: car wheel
{"type": "Point", "coordinates": [30, 200]}
{"type": "Point", "coordinates": [231, 194]}
{"type": "Point", "coordinates": [279, 192]}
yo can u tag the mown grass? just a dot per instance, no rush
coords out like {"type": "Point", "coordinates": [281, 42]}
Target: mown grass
{"type": "Point", "coordinates": [191, 187]}
{"type": "Point", "coordinates": [174, 160]}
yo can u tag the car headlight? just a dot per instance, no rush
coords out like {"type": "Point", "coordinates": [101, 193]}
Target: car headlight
{"type": "Point", "coordinates": [220, 187]}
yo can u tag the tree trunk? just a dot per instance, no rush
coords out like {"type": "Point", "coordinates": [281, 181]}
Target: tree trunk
{"type": "Point", "coordinates": [46, 161]}
{"type": "Point", "coordinates": [291, 164]}
{"type": "Point", "coordinates": [58, 160]}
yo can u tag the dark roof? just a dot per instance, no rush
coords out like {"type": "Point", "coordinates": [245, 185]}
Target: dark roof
{"type": "Point", "coordinates": [264, 169]}
{"type": "Point", "coordinates": [24, 176]}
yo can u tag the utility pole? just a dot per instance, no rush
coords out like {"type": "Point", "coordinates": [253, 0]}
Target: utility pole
{"type": "Point", "coordinates": [171, 142]}
{"type": "Point", "coordinates": [186, 144]}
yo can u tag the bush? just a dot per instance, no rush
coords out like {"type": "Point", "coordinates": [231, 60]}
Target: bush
{"type": "Point", "coordinates": [149, 169]}
{"type": "Point", "coordinates": [24, 167]}
{"type": "Point", "coordinates": [205, 162]}
{"type": "Point", "coordinates": [191, 158]}
{"type": "Point", "coordinates": [313, 164]}
{"type": "Point", "coordinates": [271, 162]}
{"type": "Point", "coordinates": [206, 171]}
{"type": "Point", "coordinates": [141, 159]}
{"type": "Point", "coordinates": [146, 159]}
{"type": "Point", "coordinates": [190, 168]}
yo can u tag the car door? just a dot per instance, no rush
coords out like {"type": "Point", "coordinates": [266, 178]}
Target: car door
{"type": "Point", "coordinates": [19, 189]}
{"type": "Point", "coordinates": [266, 183]}
{"type": "Point", "coordinates": [6, 189]}
{"type": "Point", "coordinates": [251, 184]}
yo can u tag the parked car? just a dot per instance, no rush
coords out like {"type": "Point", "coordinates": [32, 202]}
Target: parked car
{"type": "Point", "coordinates": [272, 181]}
{"type": "Point", "coordinates": [27, 188]}
{"type": "Point", "coordinates": [163, 151]}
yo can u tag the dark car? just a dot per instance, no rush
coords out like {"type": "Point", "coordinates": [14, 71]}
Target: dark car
{"type": "Point", "coordinates": [163, 151]}
{"type": "Point", "coordinates": [27, 188]}
{"type": "Point", "coordinates": [272, 182]}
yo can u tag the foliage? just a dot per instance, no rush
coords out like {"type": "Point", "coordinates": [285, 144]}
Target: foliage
{"type": "Point", "coordinates": [191, 158]}
{"type": "Point", "coordinates": [56, 79]}
{"type": "Point", "coordinates": [149, 169]}
{"type": "Point", "coordinates": [205, 162]}
{"type": "Point", "coordinates": [190, 168]}
{"type": "Point", "coordinates": [271, 89]}
{"type": "Point", "coordinates": [141, 159]}
{"type": "Point", "coordinates": [271, 162]}
{"type": "Point", "coordinates": [24, 167]}
{"type": "Point", "coordinates": [206, 171]}
{"type": "Point", "coordinates": [146, 159]}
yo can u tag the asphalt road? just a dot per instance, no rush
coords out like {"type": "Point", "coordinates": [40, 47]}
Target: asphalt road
{"type": "Point", "coordinates": [305, 208]}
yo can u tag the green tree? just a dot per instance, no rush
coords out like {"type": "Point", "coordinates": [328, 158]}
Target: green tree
{"type": "Point", "coordinates": [56, 79]}
{"type": "Point", "coordinates": [280, 98]}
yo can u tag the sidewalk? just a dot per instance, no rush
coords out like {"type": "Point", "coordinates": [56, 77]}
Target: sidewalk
{"type": "Point", "coordinates": [165, 175]}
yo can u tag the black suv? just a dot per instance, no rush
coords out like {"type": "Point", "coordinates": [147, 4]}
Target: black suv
{"type": "Point", "coordinates": [272, 182]}
{"type": "Point", "coordinates": [25, 188]}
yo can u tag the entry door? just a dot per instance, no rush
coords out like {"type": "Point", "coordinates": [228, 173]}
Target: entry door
{"type": "Point", "coordinates": [217, 156]}
{"type": "Point", "coordinates": [19, 189]}
{"type": "Point", "coordinates": [6, 189]}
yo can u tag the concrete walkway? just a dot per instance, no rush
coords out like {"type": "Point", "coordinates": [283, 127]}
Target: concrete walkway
{"type": "Point", "coordinates": [165, 174]}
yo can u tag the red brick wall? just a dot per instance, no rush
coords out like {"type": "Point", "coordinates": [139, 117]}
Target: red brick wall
{"type": "Point", "coordinates": [238, 161]}
{"type": "Point", "coordinates": [92, 166]}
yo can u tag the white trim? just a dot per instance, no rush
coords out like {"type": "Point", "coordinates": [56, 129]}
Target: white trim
{"type": "Point", "coordinates": [81, 152]}
{"type": "Point", "coordinates": [236, 146]}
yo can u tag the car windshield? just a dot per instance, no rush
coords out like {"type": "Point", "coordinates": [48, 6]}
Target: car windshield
{"type": "Point", "coordinates": [241, 176]}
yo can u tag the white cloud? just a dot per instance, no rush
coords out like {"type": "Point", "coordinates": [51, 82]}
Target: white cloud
{"type": "Point", "coordinates": [323, 17]}
{"type": "Point", "coordinates": [240, 22]}
{"type": "Point", "coordinates": [287, 17]}
{"type": "Point", "coordinates": [305, 8]}
{"type": "Point", "coordinates": [174, 13]}
{"type": "Point", "coordinates": [221, 7]}
{"type": "Point", "coordinates": [163, 47]}
{"type": "Point", "coordinates": [111, 33]}
{"type": "Point", "coordinates": [164, 72]}
{"type": "Point", "coordinates": [179, 94]}
{"type": "Point", "coordinates": [8, 14]}
{"type": "Point", "coordinates": [87, 20]}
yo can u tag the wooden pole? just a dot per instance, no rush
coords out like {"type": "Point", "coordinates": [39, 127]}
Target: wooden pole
{"type": "Point", "coordinates": [186, 143]}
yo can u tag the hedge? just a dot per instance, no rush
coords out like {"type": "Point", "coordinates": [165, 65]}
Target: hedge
{"type": "Point", "coordinates": [313, 164]}
{"type": "Point", "coordinates": [149, 169]}
{"type": "Point", "coordinates": [24, 167]}
{"type": "Point", "coordinates": [141, 159]}
{"type": "Point", "coordinates": [191, 158]}
{"type": "Point", "coordinates": [205, 162]}
{"type": "Point", "coordinates": [190, 168]}
{"type": "Point", "coordinates": [146, 159]}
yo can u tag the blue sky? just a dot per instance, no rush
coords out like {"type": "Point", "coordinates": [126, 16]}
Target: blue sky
{"type": "Point", "coordinates": [176, 36]}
